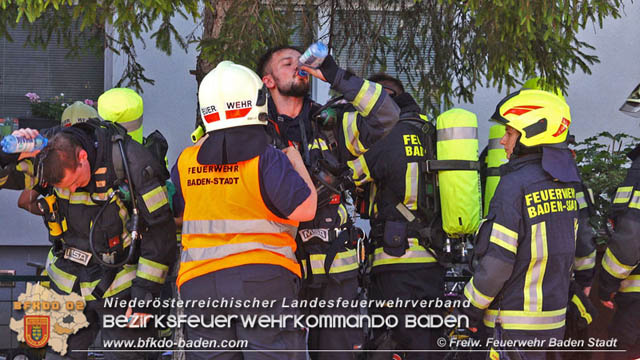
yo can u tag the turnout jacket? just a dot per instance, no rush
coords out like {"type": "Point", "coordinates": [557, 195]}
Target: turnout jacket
{"type": "Point", "coordinates": [525, 250]}
{"type": "Point", "coordinates": [620, 261]}
{"type": "Point", "coordinates": [145, 274]}
{"type": "Point", "coordinates": [584, 265]}
{"type": "Point", "coordinates": [391, 169]}
{"type": "Point", "coordinates": [368, 115]}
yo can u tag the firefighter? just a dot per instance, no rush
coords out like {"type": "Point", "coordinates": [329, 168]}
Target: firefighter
{"type": "Point", "coordinates": [619, 279]}
{"type": "Point", "coordinates": [401, 268]}
{"type": "Point", "coordinates": [243, 200]}
{"type": "Point", "coordinates": [525, 248]}
{"type": "Point", "coordinates": [98, 255]}
{"type": "Point", "coordinates": [342, 132]}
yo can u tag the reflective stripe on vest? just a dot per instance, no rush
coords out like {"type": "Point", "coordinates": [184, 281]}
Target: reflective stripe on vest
{"type": "Point", "coordinates": [352, 134]}
{"type": "Point", "coordinates": [623, 194]}
{"type": "Point", "coordinates": [344, 261]}
{"type": "Point", "coordinates": [221, 251]}
{"type": "Point", "coordinates": [614, 267]}
{"type": "Point", "coordinates": [585, 262]}
{"type": "Point", "coordinates": [533, 295]}
{"type": "Point", "coordinates": [236, 227]}
{"type": "Point", "coordinates": [227, 224]}
{"type": "Point", "coordinates": [415, 254]}
{"type": "Point", "coordinates": [582, 203]}
{"type": "Point", "coordinates": [477, 298]}
{"type": "Point", "coordinates": [62, 279]}
{"type": "Point", "coordinates": [367, 97]}
{"type": "Point", "coordinates": [411, 186]}
{"type": "Point", "coordinates": [526, 320]}
{"type": "Point", "coordinates": [122, 281]}
{"type": "Point", "coordinates": [635, 200]}
{"type": "Point", "coordinates": [630, 284]}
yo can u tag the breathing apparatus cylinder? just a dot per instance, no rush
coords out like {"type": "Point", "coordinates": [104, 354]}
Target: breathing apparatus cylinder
{"type": "Point", "coordinates": [496, 156]}
{"type": "Point", "coordinates": [461, 203]}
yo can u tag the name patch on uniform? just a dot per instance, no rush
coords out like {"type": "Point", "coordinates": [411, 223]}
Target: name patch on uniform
{"type": "Point", "coordinates": [206, 169]}
{"type": "Point", "coordinates": [412, 145]}
{"type": "Point", "coordinates": [307, 234]}
{"type": "Point", "coordinates": [551, 201]}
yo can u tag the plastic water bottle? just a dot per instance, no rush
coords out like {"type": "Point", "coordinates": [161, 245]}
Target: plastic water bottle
{"type": "Point", "coordinates": [18, 144]}
{"type": "Point", "coordinates": [314, 55]}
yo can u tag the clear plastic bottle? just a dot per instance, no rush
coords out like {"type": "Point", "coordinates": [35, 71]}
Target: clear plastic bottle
{"type": "Point", "coordinates": [18, 144]}
{"type": "Point", "coordinates": [313, 56]}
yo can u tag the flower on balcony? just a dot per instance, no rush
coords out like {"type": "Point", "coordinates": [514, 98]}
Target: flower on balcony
{"type": "Point", "coordinates": [53, 108]}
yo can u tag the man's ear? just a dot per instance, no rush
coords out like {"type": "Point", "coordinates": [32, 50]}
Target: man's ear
{"type": "Point", "coordinates": [268, 81]}
{"type": "Point", "coordinates": [82, 155]}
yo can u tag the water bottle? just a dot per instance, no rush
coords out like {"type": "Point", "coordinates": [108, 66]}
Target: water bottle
{"type": "Point", "coordinates": [313, 57]}
{"type": "Point", "coordinates": [18, 144]}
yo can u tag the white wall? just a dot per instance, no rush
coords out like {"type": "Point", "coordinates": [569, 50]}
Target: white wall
{"type": "Point", "coordinates": [596, 98]}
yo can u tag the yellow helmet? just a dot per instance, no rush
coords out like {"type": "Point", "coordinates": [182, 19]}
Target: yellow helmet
{"type": "Point", "coordinates": [125, 107]}
{"type": "Point", "coordinates": [76, 113]}
{"type": "Point", "coordinates": [542, 118]}
{"type": "Point", "coordinates": [536, 84]}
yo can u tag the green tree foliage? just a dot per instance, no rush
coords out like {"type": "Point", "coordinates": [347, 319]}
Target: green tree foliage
{"type": "Point", "coordinates": [446, 48]}
{"type": "Point", "coordinates": [603, 164]}
{"type": "Point", "coordinates": [113, 24]}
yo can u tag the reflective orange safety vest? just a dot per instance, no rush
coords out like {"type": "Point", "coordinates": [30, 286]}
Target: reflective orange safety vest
{"type": "Point", "coordinates": [226, 222]}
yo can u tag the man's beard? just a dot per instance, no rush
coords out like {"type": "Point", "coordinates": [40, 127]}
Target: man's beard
{"type": "Point", "coordinates": [296, 89]}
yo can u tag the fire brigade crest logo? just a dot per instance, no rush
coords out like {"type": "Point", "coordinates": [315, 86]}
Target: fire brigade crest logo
{"type": "Point", "coordinates": [36, 330]}
{"type": "Point", "coordinates": [49, 318]}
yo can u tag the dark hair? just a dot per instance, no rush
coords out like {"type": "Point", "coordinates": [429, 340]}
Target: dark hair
{"type": "Point", "coordinates": [263, 63]}
{"type": "Point", "coordinates": [60, 154]}
{"type": "Point", "coordinates": [380, 77]}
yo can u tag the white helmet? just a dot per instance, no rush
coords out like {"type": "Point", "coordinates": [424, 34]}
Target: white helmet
{"type": "Point", "coordinates": [232, 95]}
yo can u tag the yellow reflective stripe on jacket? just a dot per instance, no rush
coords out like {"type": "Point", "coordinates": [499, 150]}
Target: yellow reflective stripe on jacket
{"type": "Point", "coordinates": [343, 262]}
{"type": "Point", "coordinates": [319, 144]}
{"type": "Point", "coordinates": [411, 186]}
{"type": "Point", "coordinates": [342, 212]}
{"type": "Point", "coordinates": [361, 173]}
{"type": "Point", "coordinates": [614, 267]}
{"type": "Point", "coordinates": [504, 237]}
{"type": "Point", "coordinates": [227, 226]}
{"type": "Point", "coordinates": [533, 296]}
{"type": "Point", "coordinates": [26, 167]}
{"type": "Point", "coordinates": [352, 134]}
{"type": "Point", "coordinates": [582, 203]}
{"type": "Point", "coordinates": [63, 280]}
{"type": "Point", "coordinates": [477, 298]}
{"type": "Point", "coordinates": [373, 207]}
{"type": "Point", "coordinates": [86, 290]}
{"type": "Point", "coordinates": [623, 194]}
{"type": "Point", "coordinates": [415, 254]}
{"type": "Point", "coordinates": [3, 180]}
{"type": "Point", "coordinates": [156, 198]}
{"type": "Point", "coordinates": [123, 281]}
{"type": "Point", "coordinates": [367, 97]}
{"type": "Point", "coordinates": [630, 284]}
{"type": "Point", "coordinates": [583, 311]}
{"type": "Point", "coordinates": [635, 200]}
{"type": "Point", "coordinates": [151, 270]}
{"type": "Point", "coordinates": [221, 251]}
{"type": "Point", "coordinates": [585, 262]}
{"type": "Point", "coordinates": [83, 198]}
{"type": "Point", "coordinates": [526, 320]}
